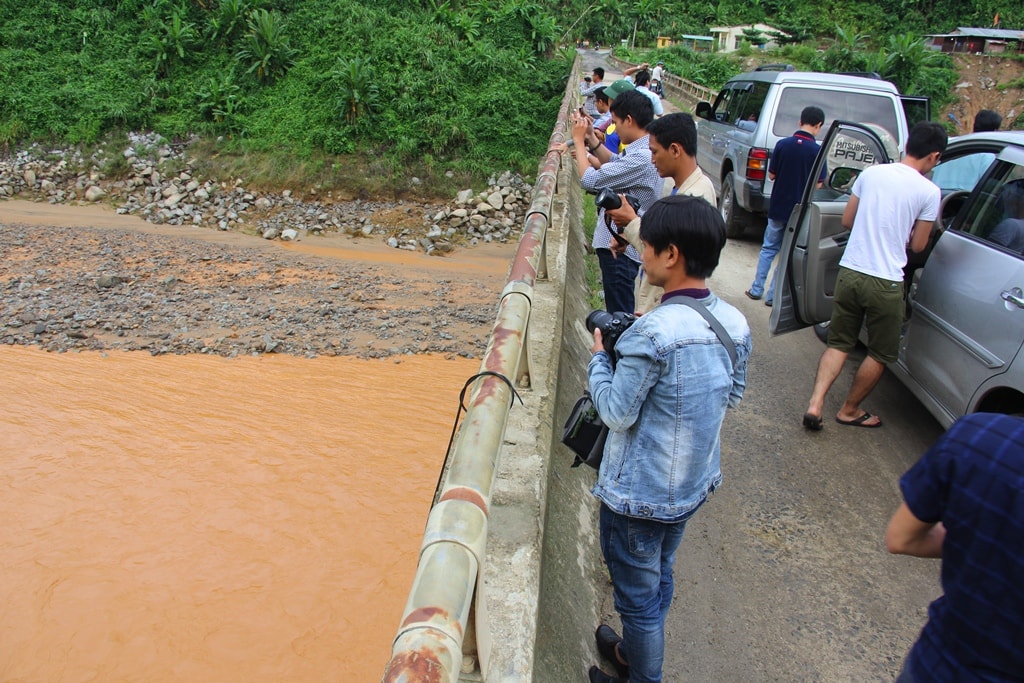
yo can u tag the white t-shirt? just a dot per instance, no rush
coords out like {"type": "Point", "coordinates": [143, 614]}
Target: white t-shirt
{"type": "Point", "coordinates": [656, 73]}
{"type": "Point", "coordinates": [892, 197]}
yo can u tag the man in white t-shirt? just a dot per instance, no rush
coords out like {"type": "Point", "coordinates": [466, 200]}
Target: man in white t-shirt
{"type": "Point", "coordinates": [892, 206]}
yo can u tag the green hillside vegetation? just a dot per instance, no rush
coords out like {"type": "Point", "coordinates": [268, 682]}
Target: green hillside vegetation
{"type": "Point", "coordinates": [363, 95]}
{"type": "Point", "coordinates": [610, 21]}
{"type": "Point", "coordinates": [903, 59]}
{"type": "Point", "coordinates": [298, 88]}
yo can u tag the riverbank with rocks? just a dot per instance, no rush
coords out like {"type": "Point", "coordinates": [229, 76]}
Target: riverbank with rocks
{"type": "Point", "coordinates": [158, 182]}
{"type": "Point", "coordinates": [105, 289]}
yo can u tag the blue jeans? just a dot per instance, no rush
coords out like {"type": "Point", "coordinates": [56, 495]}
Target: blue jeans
{"type": "Point", "coordinates": [906, 673]}
{"type": "Point", "coordinates": [769, 249]}
{"type": "Point", "coordinates": [617, 277]}
{"type": "Point", "coordinates": [640, 554]}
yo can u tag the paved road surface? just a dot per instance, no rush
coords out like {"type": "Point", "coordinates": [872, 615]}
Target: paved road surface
{"type": "Point", "coordinates": [783, 575]}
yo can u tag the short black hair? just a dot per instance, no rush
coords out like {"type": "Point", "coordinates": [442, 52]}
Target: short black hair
{"type": "Point", "coordinates": [679, 128]}
{"type": "Point", "coordinates": [986, 119]}
{"type": "Point", "coordinates": [599, 72]}
{"type": "Point", "coordinates": [925, 138]}
{"type": "Point", "coordinates": [695, 227]}
{"type": "Point", "coordinates": [642, 78]}
{"type": "Point", "coordinates": [635, 104]}
{"type": "Point", "coordinates": [599, 95]}
{"type": "Point", "coordinates": [812, 116]}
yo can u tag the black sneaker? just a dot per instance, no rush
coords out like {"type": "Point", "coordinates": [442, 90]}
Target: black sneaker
{"type": "Point", "coordinates": [607, 642]}
{"type": "Point", "coordinates": [598, 676]}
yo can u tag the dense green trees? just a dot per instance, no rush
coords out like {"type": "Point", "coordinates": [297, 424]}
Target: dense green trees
{"type": "Point", "coordinates": [610, 21]}
{"type": "Point", "coordinates": [431, 81]}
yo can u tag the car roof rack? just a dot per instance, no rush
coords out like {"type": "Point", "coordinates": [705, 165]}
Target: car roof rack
{"type": "Point", "coordinates": [775, 67]}
{"type": "Point", "coordinates": [862, 74]}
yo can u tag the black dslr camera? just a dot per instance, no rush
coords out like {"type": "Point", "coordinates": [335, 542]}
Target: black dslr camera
{"type": "Point", "coordinates": [609, 200]}
{"type": "Point", "coordinates": [612, 325]}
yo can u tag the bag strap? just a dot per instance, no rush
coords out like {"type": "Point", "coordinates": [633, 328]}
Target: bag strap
{"type": "Point", "coordinates": [719, 329]}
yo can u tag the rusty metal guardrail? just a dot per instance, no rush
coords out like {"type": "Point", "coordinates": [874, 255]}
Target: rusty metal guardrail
{"type": "Point", "coordinates": [443, 633]}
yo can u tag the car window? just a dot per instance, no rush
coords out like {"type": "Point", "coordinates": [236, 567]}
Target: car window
{"type": "Point", "coordinates": [859, 107]}
{"type": "Point", "coordinates": [963, 172]}
{"type": "Point", "coordinates": [724, 105]}
{"type": "Point", "coordinates": [748, 107]}
{"type": "Point", "coordinates": [997, 215]}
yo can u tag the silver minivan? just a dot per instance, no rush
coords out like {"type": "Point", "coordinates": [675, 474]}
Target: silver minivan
{"type": "Point", "coordinates": [960, 347]}
{"type": "Point", "coordinates": [737, 133]}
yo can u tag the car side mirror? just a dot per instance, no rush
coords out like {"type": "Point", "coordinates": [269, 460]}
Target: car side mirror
{"type": "Point", "coordinates": [703, 110]}
{"type": "Point", "coordinates": [842, 179]}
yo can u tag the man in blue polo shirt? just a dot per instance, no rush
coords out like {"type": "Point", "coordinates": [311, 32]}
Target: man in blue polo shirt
{"type": "Point", "coordinates": [964, 502]}
{"type": "Point", "coordinates": [789, 167]}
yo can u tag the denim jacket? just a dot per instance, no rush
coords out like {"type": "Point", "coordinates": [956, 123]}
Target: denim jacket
{"type": "Point", "coordinates": [664, 405]}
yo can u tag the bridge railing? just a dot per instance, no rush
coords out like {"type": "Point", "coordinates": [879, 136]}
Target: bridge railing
{"type": "Point", "coordinates": [443, 634]}
{"type": "Point", "coordinates": [675, 85]}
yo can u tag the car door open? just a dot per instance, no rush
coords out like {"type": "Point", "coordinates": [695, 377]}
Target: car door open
{"type": "Point", "coordinates": [815, 239]}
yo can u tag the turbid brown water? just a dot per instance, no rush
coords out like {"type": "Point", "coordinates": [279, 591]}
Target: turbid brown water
{"type": "Point", "coordinates": [194, 517]}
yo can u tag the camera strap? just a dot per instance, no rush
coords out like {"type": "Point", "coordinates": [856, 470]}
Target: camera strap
{"type": "Point", "coordinates": [718, 328]}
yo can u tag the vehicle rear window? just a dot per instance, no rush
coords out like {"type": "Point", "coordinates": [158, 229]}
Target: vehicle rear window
{"type": "Point", "coordinates": [837, 104]}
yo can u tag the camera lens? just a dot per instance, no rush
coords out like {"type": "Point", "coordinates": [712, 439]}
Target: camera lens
{"type": "Point", "coordinates": [599, 320]}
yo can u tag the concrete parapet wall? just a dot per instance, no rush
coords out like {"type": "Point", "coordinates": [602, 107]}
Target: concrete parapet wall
{"type": "Point", "coordinates": [571, 569]}
{"type": "Point", "coordinates": [543, 577]}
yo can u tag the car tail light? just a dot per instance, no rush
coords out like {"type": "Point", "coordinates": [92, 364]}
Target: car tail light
{"type": "Point", "coordinates": [757, 163]}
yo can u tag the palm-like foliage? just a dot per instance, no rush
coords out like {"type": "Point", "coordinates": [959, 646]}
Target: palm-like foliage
{"type": "Point", "coordinates": [266, 48]}
{"type": "Point", "coordinates": [360, 97]}
{"type": "Point", "coordinates": [230, 20]}
{"type": "Point", "coordinates": [170, 40]}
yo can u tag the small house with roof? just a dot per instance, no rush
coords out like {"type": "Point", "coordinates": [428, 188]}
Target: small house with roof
{"type": "Point", "coordinates": [979, 41]}
{"type": "Point", "coordinates": [729, 38]}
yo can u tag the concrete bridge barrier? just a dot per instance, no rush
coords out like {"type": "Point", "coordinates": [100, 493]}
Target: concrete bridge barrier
{"type": "Point", "coordinates": [508, 579]}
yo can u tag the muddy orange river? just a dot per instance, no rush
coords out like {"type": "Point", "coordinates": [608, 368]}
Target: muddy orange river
{"type": "Point", "coordinates": [194, 518]}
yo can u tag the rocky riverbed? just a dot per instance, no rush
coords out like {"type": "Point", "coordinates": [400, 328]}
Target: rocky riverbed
{"type": "Point", "coordinates": [211, 273]}
{"type": "Point", "coordinates": [157, 181]}
{"type": "Point", "coordinates": [172, 290]}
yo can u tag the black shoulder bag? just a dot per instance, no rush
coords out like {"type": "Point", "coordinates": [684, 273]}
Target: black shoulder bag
{"type": "Point", "coordinates": [584, 432]}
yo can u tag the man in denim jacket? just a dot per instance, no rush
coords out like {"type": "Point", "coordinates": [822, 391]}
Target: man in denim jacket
{"type": "Point", "coordinates": [663, 402]}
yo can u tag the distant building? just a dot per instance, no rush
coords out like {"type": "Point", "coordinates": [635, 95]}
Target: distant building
{"type": "Point", "coordinates": [979, 40]}
{"type": "Point", "coordinates": [695, 43]}
{"type": "Point", "coordinates": [729, 38]}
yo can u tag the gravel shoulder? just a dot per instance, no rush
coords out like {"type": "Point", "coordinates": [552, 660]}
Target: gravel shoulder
{"type": "Point", "coordinates": [86, 278]}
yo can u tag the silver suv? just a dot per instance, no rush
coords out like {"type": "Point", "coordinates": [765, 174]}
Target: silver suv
{"type": "Point", "coordinates": [960, 347]}
{"type": "Point", "coordinates": [737, 133]}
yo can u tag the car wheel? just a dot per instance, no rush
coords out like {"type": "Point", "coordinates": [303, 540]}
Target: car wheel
{"type": "Point", "coordinates": [735, 217]}
{"type": "Point", "coordinates": [821, 331]}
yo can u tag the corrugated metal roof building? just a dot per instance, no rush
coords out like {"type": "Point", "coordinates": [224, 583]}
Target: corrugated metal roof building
{"type": "Point", "coordinates": [979, 40]}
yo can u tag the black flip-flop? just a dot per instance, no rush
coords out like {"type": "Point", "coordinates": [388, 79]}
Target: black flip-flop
{"type": "Point", "coordinates": [813, 422]}
{"type": "Point", "coordinates": [859, 421]}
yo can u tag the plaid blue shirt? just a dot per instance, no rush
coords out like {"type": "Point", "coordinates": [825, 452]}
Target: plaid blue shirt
{"type": "Point", "coordinates": [972, 480]}
{"type": "Point", "coordinates": [631, 173]}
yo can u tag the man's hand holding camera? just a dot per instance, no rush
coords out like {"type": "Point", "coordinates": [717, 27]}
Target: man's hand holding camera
{"type": "Point", "coordinates": [621, 216]}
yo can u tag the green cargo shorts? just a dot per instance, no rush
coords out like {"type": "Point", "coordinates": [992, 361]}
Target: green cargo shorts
{"type": "Point", "coordinates": [861, 300]}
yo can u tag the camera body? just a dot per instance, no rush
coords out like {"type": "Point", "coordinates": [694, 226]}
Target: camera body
{"type": "Point", "coordinates": [612, 325]}
{"type": "Point", "coordinates": [608, 200]}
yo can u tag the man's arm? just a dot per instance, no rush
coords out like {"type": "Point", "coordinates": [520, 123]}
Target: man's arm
{"type": "Point", "coordinates": [850, 212]}
{"type": "Point", "coordinates": [907, 535]}
{"type": "Point", "coordinates": [919, 235]}
{"type": "Point", "coordinates": [583, 140]}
